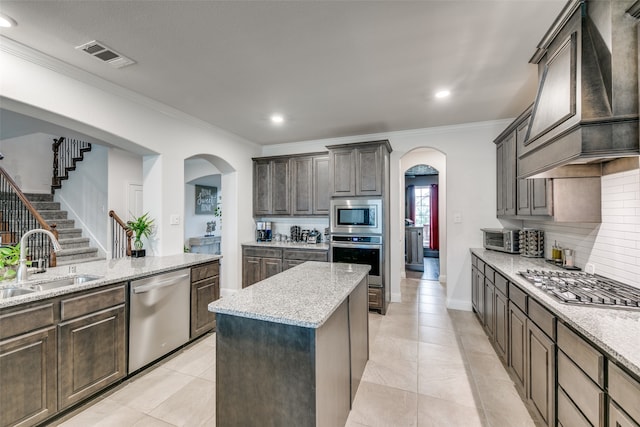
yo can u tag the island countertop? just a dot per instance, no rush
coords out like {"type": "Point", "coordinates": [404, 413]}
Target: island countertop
{"type": "Point", "coordinates": [305, 295]}
{"type": "Point", "coordinates": [109, 271]}
{"type": "Point", "coordinates": [615, 331]}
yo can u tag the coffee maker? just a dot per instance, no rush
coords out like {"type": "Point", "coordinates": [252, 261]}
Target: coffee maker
{"type": "Point", "coordinates": [263, 231]}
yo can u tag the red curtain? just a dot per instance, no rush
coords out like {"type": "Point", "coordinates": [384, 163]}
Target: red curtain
{"type": "Point", "coordinates": [410, 200]}
{"type": "Point", "coordinates": [433, 223]}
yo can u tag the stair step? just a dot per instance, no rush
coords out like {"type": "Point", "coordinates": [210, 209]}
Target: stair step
{"type": "Point", "coordinates": [46, 206]}
{"type": "Point", "coordinates": [69, 233]}
{"type": "Point", "coordinates": [39, 197]}
{"type": "Point", "coordinates": [75, 254]}
{"type": "Point", "coordinates": [51, 215]}
{"type": "Point", "coordinates": [60, 263]}
{"type": "Point", "coordinates": [62, 223]}
{"type": "Point", "coordinates": [75, 242]}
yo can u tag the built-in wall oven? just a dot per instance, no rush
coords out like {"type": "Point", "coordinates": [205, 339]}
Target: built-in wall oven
{"type": "Point", "coordinates": [358, 249]}
{"type": "Point", "coordinates": [356, 216]}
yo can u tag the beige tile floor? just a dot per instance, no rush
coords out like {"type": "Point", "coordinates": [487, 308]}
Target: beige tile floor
{"type": "Point", "coordinates": [428, 366]}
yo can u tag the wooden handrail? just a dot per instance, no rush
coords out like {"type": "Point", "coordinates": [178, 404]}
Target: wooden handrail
{"type": "Point", "coordinates": [36, 215]}
{"type": "Point", "coordinates": [127, 231]}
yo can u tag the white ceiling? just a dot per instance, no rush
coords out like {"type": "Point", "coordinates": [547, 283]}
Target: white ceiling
{"type": "Point", "coordinates": [333, 68]}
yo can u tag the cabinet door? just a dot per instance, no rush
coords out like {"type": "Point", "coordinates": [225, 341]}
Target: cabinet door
{"type": "Point", "coordinates": [301, 188]}
{"type": "Point", "coordinates": [500, 189]}
{"type": "Point", "coordinates": [343, 173]}
{"type": "Point", "coordinates": [375, 299]}
{"type": "Point", "coordinates": [480, 308]}
{"type": "Point", "coordinates": [509, 175]}
{"type": "Point", "coordinates": [203, 293]}
{"type": "Point", "coordinates": [489, 312]}
{"type": "Point", "coordinates": [261, 187]}
{"type": "Point", "coordinates": [290, 263]}
{"type": "Point", "coordinates": [280, 192]}
{"type": "Point", "coordinates": [413, 248]}
{"type": "Point", "coordinates": [474, 288]}
{"type": "Point", "coordinates": [28, 375]}
{"type": "Point", "coordinates": [270, 267]}
{"type": "Point", "coordinates": [541, 190]}
{"type": "Point", "coordinates": [541, 373]}
{"type": "Point", "coordinates": [92, 354]}
{"type": "Point", "coordinates": [524, 197]}
{"type": "Point", "coordinates": [251, 270]}
{"type": "Point", "coordinates": [501, 332]}
{"type": "Point", "coordinates": [517, 345]}
{"type": "Point", "coordinates": [321, 180]}
{"type": "Point", "coordinates": [369, 171]}
{"type": "Point", "coordinates": [618, 418]}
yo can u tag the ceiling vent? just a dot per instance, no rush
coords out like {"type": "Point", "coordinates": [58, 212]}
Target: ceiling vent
{"type": "Point", "coordinates": [100, 51]}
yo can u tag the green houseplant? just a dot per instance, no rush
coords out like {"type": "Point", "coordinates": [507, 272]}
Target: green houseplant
{"type": "Point", "coordinates": [9, 259]}
{"type": "Point", "coordinates": [141, 226]}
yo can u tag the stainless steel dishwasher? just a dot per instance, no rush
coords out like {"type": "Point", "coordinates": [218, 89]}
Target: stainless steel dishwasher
{"type": "Point", "coordinates": [159, 316]}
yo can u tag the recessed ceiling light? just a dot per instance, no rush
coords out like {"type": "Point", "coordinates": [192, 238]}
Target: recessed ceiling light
{"type": "Point", "coordinates": [277, 119]}
{"type": "Point", "coordinates": [7, 21]}
{"type": "Point", "coordinates": [443, 94]}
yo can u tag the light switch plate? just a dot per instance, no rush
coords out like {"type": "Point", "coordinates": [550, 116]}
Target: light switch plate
{"type": "Point", "coordinates": [174, 219]}
{"type": "Point", "coordinates": [457, 218]}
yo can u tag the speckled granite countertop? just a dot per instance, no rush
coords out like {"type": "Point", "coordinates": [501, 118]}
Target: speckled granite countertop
{"type": "Point", "coordinates": [285, 245]}
{"type": "Point", "coordinates": [111, 271]}
{"type": "Point", "coordinates": [305, 295]}
{"type": "Point", "coordinates": [616, 331]}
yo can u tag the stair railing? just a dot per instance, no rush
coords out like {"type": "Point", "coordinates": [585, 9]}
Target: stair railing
{"type": "Point", "coordinates": [120, 237]}
{"type": "Point", "coordinates": [66, 153]}
{"type": "Point", "coordinates": [17, 216]}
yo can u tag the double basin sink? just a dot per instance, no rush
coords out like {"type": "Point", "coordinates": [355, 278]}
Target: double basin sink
{"type": "Point", "coordinates": [24, 289]}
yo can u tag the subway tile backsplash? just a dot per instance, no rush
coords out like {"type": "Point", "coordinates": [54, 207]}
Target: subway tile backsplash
{"type": "Point", "coordinates": [613, 246]}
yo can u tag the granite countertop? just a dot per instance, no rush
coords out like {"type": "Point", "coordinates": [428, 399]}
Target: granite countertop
{"type": "Point", "coordinates": [615, 331]}
{"type": "Point", "coordinates": [290, 245]}
{"type": "Point", "coordinates": [305, 295]}
{"type": "Point", "coordinates": [110, 271]}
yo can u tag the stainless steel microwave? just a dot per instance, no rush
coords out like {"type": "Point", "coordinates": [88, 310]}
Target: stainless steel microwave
{"type": "Point", "coordinates": [502, 239]}
{"type": "Point", "coordinates": [356, 216]}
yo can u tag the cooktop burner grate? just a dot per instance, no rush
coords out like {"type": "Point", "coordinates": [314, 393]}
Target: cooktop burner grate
{"type": "Point", "coordinates": [583, 288]}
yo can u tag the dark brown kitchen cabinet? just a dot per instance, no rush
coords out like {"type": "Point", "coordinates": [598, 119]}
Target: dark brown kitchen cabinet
{"type": "Point", "coordinates": [489, 312]}
{"type": "Point", "coordinates": [618, 418]}
{"type": "Point", "coordinates": [624, 393]}
{"type": "Point", "coordinates": [517, 345]}
{"type": "Point", "coordinates": [91, 343]}
{"type": "Point", "coordinates": [310, 185]}
{"type": "Point", "coordinates": [541, 373]}
{"type": "Point", "coordinates": [506, 176]}
{"type": "Point", "coordinates": [501, 328]}
{"type": "Point", "coordinates": [205, 288]}
{"type": "Point", "coordinates": [271, 193]}
{"type": "Point", "coordinates": [359, 169]}
{"type": "Point", "coordinates": [375, 298]}
{"type": "Point", "coordinates": [293, 257]}
{"type": "Point", "coordinates": [28, 369]}
{"type": "Point", "coordinates": [259, 264]}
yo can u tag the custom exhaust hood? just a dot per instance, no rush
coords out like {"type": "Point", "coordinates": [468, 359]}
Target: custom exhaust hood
{"type": "Point", "coordinates": [586, 108]}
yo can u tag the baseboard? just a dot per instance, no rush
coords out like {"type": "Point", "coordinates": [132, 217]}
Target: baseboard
{"type": "Point", "coordinates": [443, 279]}
{"type": "Point", "coordinates": [459, 305]}
{"type": "Point", "coordinates": [396, 297]}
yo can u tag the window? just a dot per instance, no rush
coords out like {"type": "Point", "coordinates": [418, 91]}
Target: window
{"type": "Point", "coordinates": [423, 214]}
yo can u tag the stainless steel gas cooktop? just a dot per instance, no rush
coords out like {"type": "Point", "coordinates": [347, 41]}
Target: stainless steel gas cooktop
{"type": "Point", "coordinates": [572, 287]}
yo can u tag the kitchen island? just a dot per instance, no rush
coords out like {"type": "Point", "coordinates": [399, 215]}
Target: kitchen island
{"type": "Point", "coordinates": [291, 349]}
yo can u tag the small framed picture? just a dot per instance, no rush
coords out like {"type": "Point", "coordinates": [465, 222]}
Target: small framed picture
{"type": "Point", "coordinates": [206, 200]}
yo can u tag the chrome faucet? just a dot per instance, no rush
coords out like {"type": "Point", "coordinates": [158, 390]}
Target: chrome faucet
{"type": "Point", "coordinates": [22, 275]}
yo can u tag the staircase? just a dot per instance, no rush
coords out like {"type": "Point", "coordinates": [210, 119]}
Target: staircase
{"type": "Point", "coordinates": [75, 248]}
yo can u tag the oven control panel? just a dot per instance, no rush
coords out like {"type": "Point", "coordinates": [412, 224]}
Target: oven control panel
{"type": "Point", "coordinates": [376, 240]}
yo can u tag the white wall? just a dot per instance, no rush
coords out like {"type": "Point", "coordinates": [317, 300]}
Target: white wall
{"type": "Point", "coordinates": [470, 192]}
{"type": "Point", "coordinates": [85, 197]}
{"type": "Point", "coordinates": [29, 161]}
{"type": "Point", "coordinates": [49, 89]}
{"type": "Point", "coordinates": [613, 246]}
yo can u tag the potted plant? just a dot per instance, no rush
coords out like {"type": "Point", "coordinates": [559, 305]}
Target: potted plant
{"type": "Point", "coordinates": [9, 259]}
{"type": "Point", "coordinates": [141, 226]}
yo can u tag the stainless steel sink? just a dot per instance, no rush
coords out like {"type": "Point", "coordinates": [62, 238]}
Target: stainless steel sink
{"type": "Point", "coordinates": [14, 292]}
{"type": "Point", "coordinates": [66, 281]}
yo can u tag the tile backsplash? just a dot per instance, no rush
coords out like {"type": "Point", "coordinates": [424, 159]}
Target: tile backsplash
{"type": "Point", "coordinates": [613, 246]}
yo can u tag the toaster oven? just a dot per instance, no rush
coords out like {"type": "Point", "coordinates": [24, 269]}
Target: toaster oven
{"type": "Point", "coordinates": [502, 239]}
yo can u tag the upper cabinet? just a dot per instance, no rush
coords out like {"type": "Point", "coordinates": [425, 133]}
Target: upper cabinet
{"type": "Point", "coordinates": [359, 169]}
{"type": "Point", "coordinates": [291, 185]}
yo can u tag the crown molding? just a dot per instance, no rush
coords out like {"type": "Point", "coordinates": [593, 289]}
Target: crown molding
{"type": "Point", "coordinates": [634, 10]}
{"type": "Point", "coordinates": [41, 59]}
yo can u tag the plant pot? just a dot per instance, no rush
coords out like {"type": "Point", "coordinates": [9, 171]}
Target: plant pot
{"type": "Point", "coordinates": [138, 253]}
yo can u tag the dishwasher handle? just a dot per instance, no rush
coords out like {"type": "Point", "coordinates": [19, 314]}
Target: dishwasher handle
{"type": "Point", "coordinates": [159, 284]}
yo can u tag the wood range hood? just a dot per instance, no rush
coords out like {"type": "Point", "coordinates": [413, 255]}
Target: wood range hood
{"type": "Point", "coordinates": [586, 110]}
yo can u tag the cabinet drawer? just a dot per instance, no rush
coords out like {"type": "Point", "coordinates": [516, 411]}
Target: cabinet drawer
{"type": "Point", "coordinates": [309, 255]}
{"type": "Point", "coordinates": [481, 265]}
{"type": "Point", "coordinates": [618, 418]}
{"type": "Point", "coordinates": [94, 301]}
{"type": "Point", "coordinates": [586, 395]}
{"type": "Point", "coordinates": [474, 260]}
{"type": "Point", "coordinates": [590, 360]}
{"type": "Point", "coordinates": [625, 391]}
{"type": "Point", "coordinates": [205, 271]}
{"type": "Point", "coordinates": [375, 298]}
{"type": "Point", "coordinates": [489, 273]}
{"type": "Point", "coordinates": [502, 284]}
{"type": "Point", "coordinates": [262, 252]}
{"type": "Point", "coordinates": [543, 318]}
{"type": "Point", "coordinates": [25, 320]}
{"type": "Point", "coordinates": [518, 297]}
{"type": "Point", "coordinates": [568, 414]}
